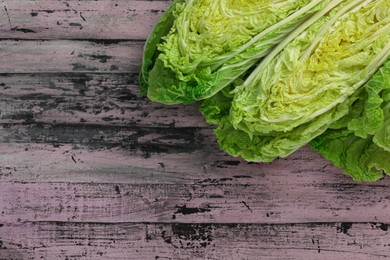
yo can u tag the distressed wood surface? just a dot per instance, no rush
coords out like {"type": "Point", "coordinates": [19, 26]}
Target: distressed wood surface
{"type": "Point", "coordinates": [42, 56]}
{"type": "Point", "coordinates": [53, 19]}
{"type": "Point", "coordinates": [86, 98]}
{"type": "Point", "coordinates": [91, 170]}
{"type": "Point", "coordinates": [225, 200]}
{"type": "Point", "coordinates": [64, 240]}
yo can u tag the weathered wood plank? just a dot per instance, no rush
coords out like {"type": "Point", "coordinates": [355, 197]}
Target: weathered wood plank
{"type": "Point", "coordinates": [49, 183]}
{"type": "Point", "coordinates": [136, 141]}
{"type": "Point", "coordinates": [79, 98]}
{"type": "Point", "coordinates": [57, 19]}
{"type": "Point", "coordinates": [187, 151]}
{"type": "Point", "coordinates": [57, 240]}
{"type": "Point", "coordinates": [70, 56]}
{"type": "Point", "coordinates": [217, 201]}
{"type": "Point", "coordinates": [190, 152]}
{"type": "Point", "coordinates": [89, 170]}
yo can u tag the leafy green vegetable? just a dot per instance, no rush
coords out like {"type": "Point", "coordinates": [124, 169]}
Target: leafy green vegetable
{"type": "Point", "coordinates": [201, 46]}
{"type": "Point", "coordinates": [150, 49]}
{"type": "Point", "coordinates": [360, 141]}
{"type": "Point", "coordinates": [276, 75]}
{"type": "Point", "coordinates": [305, 84]}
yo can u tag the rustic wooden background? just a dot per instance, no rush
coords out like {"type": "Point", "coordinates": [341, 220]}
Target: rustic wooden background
{"type": "Point", "coordinates": [90, 170]}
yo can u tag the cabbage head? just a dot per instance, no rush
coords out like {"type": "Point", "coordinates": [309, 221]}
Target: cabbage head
{"type": "Point", "coordinates": [201, 46]}
{"type": "Point", "coordinates": [306, 83]}
{"type": "Point", "coordinates": [277, 75]}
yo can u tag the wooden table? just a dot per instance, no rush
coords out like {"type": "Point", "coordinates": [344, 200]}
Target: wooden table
{"type": "Point", "coordinates": [91, 170]}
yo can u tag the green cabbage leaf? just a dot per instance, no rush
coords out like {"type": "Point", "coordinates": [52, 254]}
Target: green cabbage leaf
{"type": "Point", "coordinates": [200, 46]}
{"type": "Point", "coordinates": [360, 141]}
{"type": "Point", "coordinates": [309, 81]}
{"type": "Point", "coordinates": [277, 75]}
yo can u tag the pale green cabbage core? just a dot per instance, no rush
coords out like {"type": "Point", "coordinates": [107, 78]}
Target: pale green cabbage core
{"type": "Point", "coordinates": [319, 69]}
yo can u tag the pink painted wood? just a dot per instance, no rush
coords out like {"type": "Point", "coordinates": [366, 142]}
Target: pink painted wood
{"type": "Point", "coordinates": [91, 170]}
{"type": "Point", "coordinates": [103, 19]}
{"type": "Point", "coordinates": [31, 56]}
{"type": "Point", "coordinates": [61, 240]}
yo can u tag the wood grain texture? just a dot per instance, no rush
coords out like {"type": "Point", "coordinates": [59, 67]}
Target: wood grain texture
{"type": "Point", "coordinates": [91, 170]}
{"type": "Point", "coordinates": [169, 175]}
{"type": "Point", "coordinates": [59, 240]}
{"type": "Point", "coordinates": [86, 98]}
{"type": "Point", "coordinates": [41, 56]}
{"type": "Point", "coordinates": [102, 19]}
{"type": "Point", "coordinates": [224, 200]}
